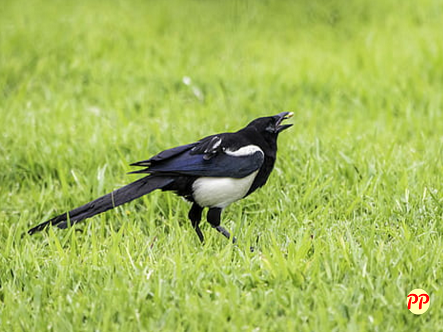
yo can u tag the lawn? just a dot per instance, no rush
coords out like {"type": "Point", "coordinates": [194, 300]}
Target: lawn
{"type": "Point", "coordinates": [350, 220]}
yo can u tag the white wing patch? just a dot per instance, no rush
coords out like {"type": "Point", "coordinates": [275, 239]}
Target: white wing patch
{"type": "Point", "coordinates": [214, 144]}
{"type": "Point", "coordinates": [217, 142]}
{"type": "Point", "coordinates": [220, 192]}
{"type": "Point", "coordinates": [244, 151]}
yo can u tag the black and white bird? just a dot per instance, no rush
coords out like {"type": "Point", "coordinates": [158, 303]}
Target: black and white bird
{"type": "Point", "coordinates": [211, 173]}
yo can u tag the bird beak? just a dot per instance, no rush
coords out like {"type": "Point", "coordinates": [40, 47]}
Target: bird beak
{"type": "Point", "coordinates": [280, 117]}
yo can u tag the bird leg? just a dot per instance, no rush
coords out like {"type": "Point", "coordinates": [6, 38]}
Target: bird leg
{"type": "Point", "coordinates": [214, 215]}
{"type": "Point", "coordinates": [195, 215]}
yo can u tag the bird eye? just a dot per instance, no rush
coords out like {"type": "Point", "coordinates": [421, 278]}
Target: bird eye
{"type": "Point", "coordinates": [270, 127]}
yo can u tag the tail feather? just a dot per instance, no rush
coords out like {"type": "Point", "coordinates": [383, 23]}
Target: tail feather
{"type": "Point", "coordinates": [118, 197]}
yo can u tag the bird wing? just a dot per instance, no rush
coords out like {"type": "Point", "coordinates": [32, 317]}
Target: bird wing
{"type": "Point", "coordinates": [208, 157]}
{"type": "Point", "coordinates": [209, 146]}
{"type": "Point", "coordinates": [164, 155]}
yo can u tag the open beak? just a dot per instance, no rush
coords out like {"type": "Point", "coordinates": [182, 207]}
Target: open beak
{"type": "Point", "coordinates": [280, 117]}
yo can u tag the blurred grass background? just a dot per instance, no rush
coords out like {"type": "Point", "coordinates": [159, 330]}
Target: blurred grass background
{"type": "Point", "coordinates": [349, 223]}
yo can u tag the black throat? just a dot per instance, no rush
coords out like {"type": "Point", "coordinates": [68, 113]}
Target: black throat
{"type": "Point", "coordinates": [269, 148]}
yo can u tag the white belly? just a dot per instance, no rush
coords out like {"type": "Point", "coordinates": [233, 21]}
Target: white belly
{"type": "Point", "coordinates": [220, 192]}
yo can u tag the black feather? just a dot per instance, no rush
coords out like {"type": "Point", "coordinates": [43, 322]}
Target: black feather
{"type": "Point", "coordinates": [164, 155]}
{"type": "Point", "coordinates": [118, 197]}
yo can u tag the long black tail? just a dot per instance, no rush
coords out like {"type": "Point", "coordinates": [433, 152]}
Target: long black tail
{"type": "Point", "coordinates": [118, 197]}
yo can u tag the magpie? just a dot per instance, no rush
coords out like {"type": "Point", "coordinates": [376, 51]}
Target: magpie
{"type": "Point", "coordinates": [212, 173]}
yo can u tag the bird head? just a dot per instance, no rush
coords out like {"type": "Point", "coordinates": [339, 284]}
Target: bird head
{"type": "Point", "coordinates": [271, 125]}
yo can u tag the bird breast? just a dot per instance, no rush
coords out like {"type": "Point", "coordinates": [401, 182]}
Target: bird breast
{"type": "Point", "coordinates": [220, 192]}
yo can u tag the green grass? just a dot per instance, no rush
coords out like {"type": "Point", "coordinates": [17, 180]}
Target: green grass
{"type": "Point", "coordinates": [348, 224]}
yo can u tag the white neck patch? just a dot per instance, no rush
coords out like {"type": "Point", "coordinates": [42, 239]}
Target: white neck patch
{"type": "Point", "coordinates": [244, 151]}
